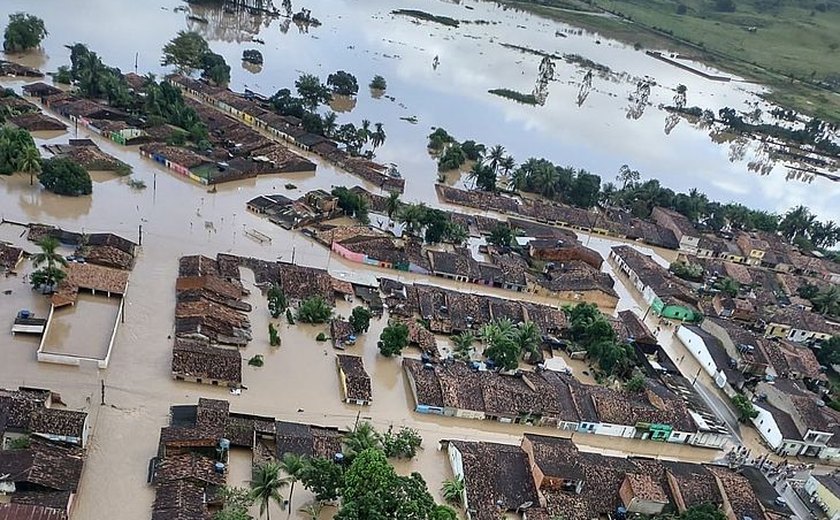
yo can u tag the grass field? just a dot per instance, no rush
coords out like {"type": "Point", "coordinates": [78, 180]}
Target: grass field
{"type": "Point", "coordinates": [791, 46]}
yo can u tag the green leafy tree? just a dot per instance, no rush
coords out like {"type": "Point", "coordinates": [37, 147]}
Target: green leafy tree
{"type": "Point", "coordinates": [829, 352]}
{"type": "Point", "coordinates": [392, 204]}
{"type": "Point", "coordinates": [353, 204]}
{"type": "Point", "coordinates": [727, 286]}
{"type": "Point", "coordinates": [453, 491]}
{"type": "Point", "coordinates": [501, 235]}
{"type": "Point", "coordinates": [704, 511]}
{"type": "Point", "coordinates": [636, 383]}
{"type": "Point", "coordinates": [363, 437]}
{"type": "Point", "coordinates": [30, 162]}
{"type": "Point", "coordinates": [277, 303]}
{"type": "Point", "coordinates": [393, 340]}
{"type": "Point", "coordinates": [24, 32]}
{"type": "Point", "coordinates": [827, 301]}
{"type": "Point", "coordinates": [324, 478]}
{"type": "Point", "coordinates": [463, 345]}
{"type": "Point", "coordinates": [439, 139]}
{"type": "Point", "coordinates": [453, 158]}
{"type": "Point", "coordinates": [64, 177]}
{"type": "Point", "coordinates": [186, 51]}
{"type": "Point", "coordinates": [343, 83]}
{"type": "Point", "coordinates": [62, 75]}
{"type": "Point", "coordinates": [378, 83]}
{"type": "Point", "coordinates": [402, 444]}
{"type": "Point", "coordinates": [527, 338]}
{"type": "Point", "coordinates": [377, 137]}
{"type": "Point", "coordinates": [215, 69]}
{"type": "Point", "coordinates": [312, 91]}
{"type": "Point", "coordinates": [360, 319]}
{"type": "Point", "coordinates": [314, 310]}
{"type": "Point", "coordinates": [473, 151]}
{"type": "Point", "coordinates": [236, 503]}
{"type": "Point", "coordinates": [293, 465]}
{"type": "Point", "coordinates": [14, 143]}
{"type": "Point", "coordinates": [744, 407]}
{"type": "Point", "coordinates": [483, 176]}
{"type": "Point", "coordinates": [266, 486]}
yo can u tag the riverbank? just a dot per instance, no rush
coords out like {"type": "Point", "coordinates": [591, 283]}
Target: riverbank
{"type": "Point", "coordinates": [760, 47]}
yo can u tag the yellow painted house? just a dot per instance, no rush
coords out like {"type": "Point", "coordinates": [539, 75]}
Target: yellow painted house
{"type": "Point", "coordinates": [825, 490]}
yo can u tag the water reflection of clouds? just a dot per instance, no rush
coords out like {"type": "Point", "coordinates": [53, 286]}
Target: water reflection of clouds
{"type": "Point", "coordinates": [595, 136]}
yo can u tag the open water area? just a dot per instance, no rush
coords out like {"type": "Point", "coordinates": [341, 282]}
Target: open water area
{"type": "Point", "coordinates": [176, 217]}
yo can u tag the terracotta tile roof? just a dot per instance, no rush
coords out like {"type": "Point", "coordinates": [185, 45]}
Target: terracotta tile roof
{"type": "Point", "coordinates": [742, 498]}
{"type": "Point", "coordinates": [356, 377]}
{"type": "Point", "coordinates": [496, 476]}
{"type": "Point", "coordinates": [802, 320]}
{"type": "Point", "coordinates": [30, 512]}
{"type": "Point", "coordinates": [37, 122]}
{"type": "Point", "coordinates": [58, 422]}
{"type": "Point", "coordinates": [180, 500]}
{"type": "Point", "coordinates": [48, 464]}
{"type": "Point", "coordinates": [89, 277]}
{"type": "Point", "coordinates": [308, 440]}
{"type": "Point", "coordinates": [9, 257]}
{"type": "Point", "coordinates": [197, 358]}
{"type": "Point", "coordinates": [188, 466]}
{"type": "Point", "coordinates": [694, 483]}
{"type": "Point", "coordinates": [645, 487]}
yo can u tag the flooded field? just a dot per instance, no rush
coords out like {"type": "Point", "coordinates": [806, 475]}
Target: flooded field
{"type": "Point", "coordinates": [83, 329]}
{"type": "Point", "coordinates": [175, 217]}
{"type": "Point", "coordinates": [494, 47]}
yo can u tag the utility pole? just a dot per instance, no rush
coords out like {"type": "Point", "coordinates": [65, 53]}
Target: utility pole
{"type": "Point", "coordinates": [356, 423]}
{"type": "Point", "coordinates": [102, 388]}
{"type": "Point", "coordinates": [140, 234]}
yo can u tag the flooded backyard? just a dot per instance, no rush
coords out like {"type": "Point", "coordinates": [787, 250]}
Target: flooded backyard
{"type": "Point", "coordinates": [83, 329]}
{"type": "Point", "coordinates": [175, 217]}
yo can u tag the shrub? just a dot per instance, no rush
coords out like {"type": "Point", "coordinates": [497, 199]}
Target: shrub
{"type": "Point", "coordinates": [256, 361]}
{"type": "Point", "coordinates": [64, 177]}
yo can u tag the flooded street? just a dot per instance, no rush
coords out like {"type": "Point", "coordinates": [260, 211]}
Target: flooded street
{"type": "Point", "coordinates": [175, 217]}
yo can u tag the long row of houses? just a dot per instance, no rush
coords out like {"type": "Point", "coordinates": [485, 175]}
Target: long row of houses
{"type": "Point", "coordinates": [557, 400]}
{"type": "Point", "coordinates": [547, 477]}
{"type": "Point", "coordinates": [248, 109]}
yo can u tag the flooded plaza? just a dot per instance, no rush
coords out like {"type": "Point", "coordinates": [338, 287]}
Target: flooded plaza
{"type": "Point", "coordinates": [173, 216]}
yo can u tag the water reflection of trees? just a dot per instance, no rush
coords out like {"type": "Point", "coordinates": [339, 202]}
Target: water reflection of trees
{"type": "Point", "coordinates": [229, 23]}
{"type": "Point", "coordinates": [585, 88]}
{"type": "Point", "coordinates": [638, 99]}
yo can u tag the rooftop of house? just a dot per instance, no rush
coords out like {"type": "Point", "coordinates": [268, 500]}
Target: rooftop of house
{"type": "Point", "coordinates": [577, 276]}
{"type": "Point", "coordinates": [787, 427]}
{"type": "Point", "coordinates": [719, 355]}
{"type": "Point", "coordinates": [356, 377]}
{"type": "Point", "coordinates": [496, 476]}
{"type": "Point", "coordinates": [9, 257]}
{"type": "Point", "coordinates": [308, 440]}
{"type": "Point", "coordinates": [37, 121]}
{"type": "Point", "coordinates": [200, 426]}
{"type": "Point", "coordinates": [636, 328]}
{"type": "Point", "coordinates": [802, 319]}
{"type": "Point", "coordinates": [174, 154]}
{"type": "Point", "coordinates": [664, 284]}
{"type": "Point", "coordinates": [669, 218]}
{"type": "Point", "coordinates": [791, 359]}
{"type": "Point", "coordinates": [742, 497]}
{"type": "Point", "coordinates": [695, 483]}
{"type": "Point", "coordinates": [644, 487]}
{"type": "Point", "coordinates": [301, 282]}
{"type": "Point", "coordinates": [831, 482]}
{"type": "Point", "coordinates": [555, 456]}
{"type": "Point", "coordinates": [89, 277]}
{"type": "Point", "coordinates": [188, 466]}
{"type": "Point", "coordinates": [197, 358]}
{"type": "Point", "coordinates": [50, 465]}
{"type": "Point", "coordinates": [180, 500]}
{"type": "Point", "coordinates": [14, 511]}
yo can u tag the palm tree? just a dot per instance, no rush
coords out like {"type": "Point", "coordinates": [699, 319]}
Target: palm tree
{"type": "Point", "coordinates": [627, 176]}
{"type": "Point", "coordinates": [330, 124]}
{"type": "Point", "coordinates": [266, 486]}
{"type": "Point", "coordinates": [463, 345]}
{"type": "Point", "coordinates": [796, 222]}
{"type": "Point", "coordinates": [48, 254]}
{"type": "Point", "coordinates": [506, 166]}
{"type": "Point", "coordinates": [313, 510]}
{"type": "Point", "coordinates": [453, 490]}
{"type": "Point", "coordinates": [363, 437]}
{"type": "Point", "coordinates": [412, 216]}
{"type": "Point", "coordinates": [364, 132]}
{"type": "Point", "coordinates": [527, 336]}
{"type": "Point", "coordinates": [292, 465]}
{"type": "Point", "coordinates": [496, 156]}
{"type": "Point", "coordinates": [30, 162]}
{"type": "Point", "coordinates": [377, 138]}
{"type": "Point", "coordinates": [392, 204]}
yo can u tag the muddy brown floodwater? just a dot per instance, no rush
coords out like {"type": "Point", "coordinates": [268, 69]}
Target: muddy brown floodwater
{"type": "Point", "coordinates": [176, 217]}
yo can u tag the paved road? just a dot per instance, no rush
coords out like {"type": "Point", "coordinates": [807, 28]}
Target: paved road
{"type": "Point", "coordinates": [715, 402]}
